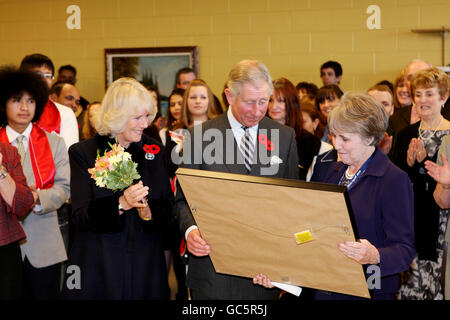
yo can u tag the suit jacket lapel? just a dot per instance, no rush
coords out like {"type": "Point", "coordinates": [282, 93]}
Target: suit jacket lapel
{"type": "Point", "coordinates": [256, 166]}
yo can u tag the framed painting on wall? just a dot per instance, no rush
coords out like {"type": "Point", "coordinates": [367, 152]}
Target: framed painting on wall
{"type": "Point", "coordinates": [154, 67]}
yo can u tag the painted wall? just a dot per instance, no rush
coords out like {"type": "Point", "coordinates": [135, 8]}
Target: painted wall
{"type": "Point", "coordinates": [292, 37]}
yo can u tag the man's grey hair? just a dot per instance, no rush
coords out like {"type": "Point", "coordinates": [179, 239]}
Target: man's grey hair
{"type": "Point", "coordinates": [248, 71]}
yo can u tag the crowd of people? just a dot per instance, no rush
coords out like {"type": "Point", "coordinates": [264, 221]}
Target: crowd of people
{"type": "Point", "coordinates": [389, 146]}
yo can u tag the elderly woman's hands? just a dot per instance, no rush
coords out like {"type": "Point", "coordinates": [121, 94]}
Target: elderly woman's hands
{"type": "Point", "coordinates": [361, 251]}
{"type": "Point", "coordinates": [133, 195]}
{"type": "Point", "coordinates": [416, 152]}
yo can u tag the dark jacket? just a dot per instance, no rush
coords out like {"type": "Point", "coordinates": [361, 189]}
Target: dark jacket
{"type": "Point", "coordinates": [382, 203]}
{"type": "Point", "coordinates": [10, 228]}
{"type": "Point", "coordinates": [307, 148]}
{"type": "Point", "coordinates": [118, 253]}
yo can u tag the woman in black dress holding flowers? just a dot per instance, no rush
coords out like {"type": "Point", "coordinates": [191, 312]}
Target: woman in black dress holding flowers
{"type": "Point", "coordinates": [118, 241]}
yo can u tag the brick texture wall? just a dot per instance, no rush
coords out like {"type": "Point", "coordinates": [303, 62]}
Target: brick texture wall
{"type": "Point", "coordinates": [293, 37]}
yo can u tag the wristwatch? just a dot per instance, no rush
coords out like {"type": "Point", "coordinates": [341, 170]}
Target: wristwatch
{"type": "Point", "coordinates": [3, 172]}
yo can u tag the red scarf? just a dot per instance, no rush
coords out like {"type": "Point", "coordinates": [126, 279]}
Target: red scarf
{"type": "Point", "coordinates": [50, 119]}
{"type": "Point", "coordinates": [41, 156]}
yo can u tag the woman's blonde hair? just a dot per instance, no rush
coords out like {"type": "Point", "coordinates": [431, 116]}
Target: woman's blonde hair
{"type": "Point", "coordinates": [185, 114]}
{"type": "Point", "coordinates": [359, 113]}
{"type": "Point", "coordinates": [431, 77]}
{"type": "Point", "coordinates": [123, 99]}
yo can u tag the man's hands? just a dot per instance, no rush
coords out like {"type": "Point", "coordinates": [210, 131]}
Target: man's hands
{"type": "Point", "coordinates": [197, 245]}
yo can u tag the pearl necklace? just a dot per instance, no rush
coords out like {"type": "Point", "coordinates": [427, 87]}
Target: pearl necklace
{"type": "Point", "coordinates": [434, 132]}
{"type": "Point", "coordinates": [348, 175]}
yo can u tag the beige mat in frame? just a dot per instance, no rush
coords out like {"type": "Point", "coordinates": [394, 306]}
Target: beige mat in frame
{"type": "Point", "coordinates": [250, 224]}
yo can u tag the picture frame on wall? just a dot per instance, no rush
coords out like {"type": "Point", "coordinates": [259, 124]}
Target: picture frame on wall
{"type": "Point", "coordinates": [154, 67]}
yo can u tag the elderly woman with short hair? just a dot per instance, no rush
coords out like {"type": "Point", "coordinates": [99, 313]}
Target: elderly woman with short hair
{"type": "Point", "coordinates": [380, 194]}
{"type": "Point", "coordinates": [416, 144]}
{"type": "Point", "coordinates": [118, 242]}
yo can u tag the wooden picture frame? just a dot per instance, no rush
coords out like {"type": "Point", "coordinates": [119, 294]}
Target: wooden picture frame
{"type": "Point", "coordinates": [153, 66]}
{"type": "Point", "coordinates": [286, 229]}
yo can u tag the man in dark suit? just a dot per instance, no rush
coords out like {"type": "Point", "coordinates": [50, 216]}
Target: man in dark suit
{"type": "Point", "coordinates": [246, 142]}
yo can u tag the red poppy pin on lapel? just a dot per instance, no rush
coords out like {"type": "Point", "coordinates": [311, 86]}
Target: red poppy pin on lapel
{"type": "Point", "coordinates": [150, 151]}
{"type": "Point", "coordinates": [265, 141]}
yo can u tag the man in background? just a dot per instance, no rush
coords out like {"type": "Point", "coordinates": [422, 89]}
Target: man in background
{"type": "Point", "coordinates": [55, 118]}
{"type": "Point", "coordinates": [69, 96]}
{"type": "Point", "coordinates": [68, 73]}
{"type": "Point", "coordinates": [184, 77]}
{"type": "Point", "coordinates": [331, 73]}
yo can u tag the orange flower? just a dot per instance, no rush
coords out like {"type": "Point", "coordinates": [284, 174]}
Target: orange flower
{"type": "Point", "coordinates": [102, 164]}
{"type": "Point", "coordinates": [109, 153]}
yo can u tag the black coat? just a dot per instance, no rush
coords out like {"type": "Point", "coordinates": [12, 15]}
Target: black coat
{"type": "Point", "coordinates": [426, 211]}
{"type": "Point", "coordinates": [120, 256]}
{"type": "Point", "coordinates": [307, 148]}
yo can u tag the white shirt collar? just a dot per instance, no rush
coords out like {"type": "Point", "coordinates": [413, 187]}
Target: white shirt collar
{"type": "Point", "coordinates": [236, 125]}
{"type": "Point", "coordinates": [13, 134]}
{"type": "Point", "coordinates": [238, 131]}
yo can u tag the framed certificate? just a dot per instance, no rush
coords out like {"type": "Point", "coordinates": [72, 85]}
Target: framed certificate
{"type": "Point", "coordinates": [286, 229]}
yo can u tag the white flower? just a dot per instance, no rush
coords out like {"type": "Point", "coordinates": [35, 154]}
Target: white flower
{"type": "Point", "coordinates": [126, 156]}
{"type": "Point", "coordinates": [99, 181]}
{"type": "Point", "coordinates": [113, 159]}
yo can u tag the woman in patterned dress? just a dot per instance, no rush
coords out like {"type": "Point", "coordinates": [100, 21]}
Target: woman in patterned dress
{"type": "Point", "coordinates": [416, 144]}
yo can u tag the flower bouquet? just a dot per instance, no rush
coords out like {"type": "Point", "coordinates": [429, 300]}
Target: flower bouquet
{"type": "Point", "coordinates": [114, 170]}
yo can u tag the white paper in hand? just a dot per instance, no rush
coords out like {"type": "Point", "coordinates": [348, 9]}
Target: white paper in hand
{"type": "Point", "coordinates": [295, 290]}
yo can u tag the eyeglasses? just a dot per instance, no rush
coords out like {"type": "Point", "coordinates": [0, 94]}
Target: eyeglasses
{"type": "Point", "coordinates": [46, 75]}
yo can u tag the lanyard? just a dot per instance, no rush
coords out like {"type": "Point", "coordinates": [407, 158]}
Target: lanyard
{"type": "Point", "coordinates": [357, 174]}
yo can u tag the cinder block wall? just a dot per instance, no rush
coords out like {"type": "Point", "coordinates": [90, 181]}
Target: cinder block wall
{"type": "Point", "coordinates": [293, 37]}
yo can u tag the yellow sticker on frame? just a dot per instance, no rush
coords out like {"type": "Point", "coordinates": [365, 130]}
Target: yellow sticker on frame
{"type": "Point", "coordinates": [303, 237]}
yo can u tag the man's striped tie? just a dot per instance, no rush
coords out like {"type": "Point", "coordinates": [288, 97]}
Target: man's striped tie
{"type": "Point", "coordinates": [247, 149]}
